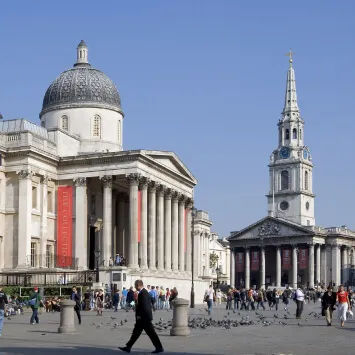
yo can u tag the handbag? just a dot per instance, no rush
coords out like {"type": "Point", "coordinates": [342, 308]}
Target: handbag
{"type": "Point", "coordinates": [32, 301]}
{"type": "Point", "coordinates": [350, 313]}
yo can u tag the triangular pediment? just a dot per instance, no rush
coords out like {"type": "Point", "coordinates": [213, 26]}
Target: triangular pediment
{"type": "Point", "coordinates": [270, 227]}
{"type": "Point", "coordinates": [171, 161]}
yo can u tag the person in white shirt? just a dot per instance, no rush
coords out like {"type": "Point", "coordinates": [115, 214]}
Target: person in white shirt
{"type": "Point", "coordinates": [209, 299]}
{"type": "Point", "coordinates": [299, 298]}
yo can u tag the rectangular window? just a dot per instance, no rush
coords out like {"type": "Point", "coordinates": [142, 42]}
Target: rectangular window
{"type": "Point", "coordinates": [34, 197]}
{"type": "Point", "coordinates": [50, 201]}
{"type": "Point", "coordinates": [33, 254]}
{"type": "Point", "coordinates": [49, 256]}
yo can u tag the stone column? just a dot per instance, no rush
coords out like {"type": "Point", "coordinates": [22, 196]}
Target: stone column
{"type": "Point", "coordinates": [180, 318]}
{"type": "Point", "coordinates": [262, 267]}
{"type": "Point", "coordinates": [247, 268]}
{"type": "Point", "coordinates": [81, 223]}
{"type": "Point", "coordinates": [133, 221]}
{"type": "Point", "coordinates": [294, 266]}
{"type": "Point", "coordinates": [67, 324]}
{"type": "Point", "coordinates": [336, 264]}
{"type": "Point", "coordinates": [188, 238]}
{"type": "Point", "coordinates": [196, 256]}
{"type": "Point", "coordinates": [121, 224]}
{"type": "Point", "coordinates": [114, 225]}
{"type": "Point", "coordinates": [344, 265]}
{"type": "Point", "coordinates": [278, 266]}
{"type": "Point", "coordinates": [323, 263]}
{"type": "Point", "coordinates": [144, 226]}
{"type": "Point", "coordinates": [167, 230]}
{"type": "Point", "coordinates": [181, 230]}
{"type": "Point", "coordinates": [151, 226]}
{"type": "Point", "coordinates": [232, 268]}
{"type": "Point", "coordinates": [24, 218]}
{"type": "Point", "coordinates": [318, 279]}
{"type": "Point", "coordinates": [106, 251]}
{"type": "Point", "coordinates": [311, 265]}
{"type": "Point", "coordinates": [160, 227]}
{"type": "Point", "coordinates": [175, 232]}
{"type": "Point", "coordinates": [44, 183]}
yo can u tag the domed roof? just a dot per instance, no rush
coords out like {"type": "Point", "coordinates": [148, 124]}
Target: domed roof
{"type": "Point", "coordinates": [81, 86]}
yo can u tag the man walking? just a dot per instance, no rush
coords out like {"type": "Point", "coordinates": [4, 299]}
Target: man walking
{"type": "Point", "coordinates": [299, 298]}
{"type": "Point", "coordinates": [3, 302]}
{"type": "Point", "coordinates": [144, 317]}
{"type": "Point", "coordinates": [35, 302]}
{"type": "Point", "coordinates": [75, 296]}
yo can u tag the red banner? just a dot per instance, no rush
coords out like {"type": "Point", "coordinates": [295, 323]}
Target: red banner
{"type": "Point", "coordinates": [187, 210]}
{"type": "Point", "coordinates": [286, 259]}
{"type": "Point", "coordinates": [254, 261]}
{"type": "Point", "coordinates": [64, 226]}
{"type": "Point", "coordinates": [303, 258]}
{"type": "Point", "coordinates": [139, 214]}
{"type": "Point", "coordinates": [239, 262]}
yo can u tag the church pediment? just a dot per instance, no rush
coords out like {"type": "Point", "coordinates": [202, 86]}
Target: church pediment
{"type": "Point", "coordinates": [270, 227]}
{"type": "Point", "coordinates": [171, 161]}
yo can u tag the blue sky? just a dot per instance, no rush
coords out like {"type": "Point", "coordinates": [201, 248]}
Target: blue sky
{"type": "Point", "coordinates": [206, 80]}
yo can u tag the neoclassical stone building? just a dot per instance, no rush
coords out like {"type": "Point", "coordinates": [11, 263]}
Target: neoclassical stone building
{"type": "Point", "coordinates": [72, 198]}
{"type": "Point", "coordinates": [287, 247]}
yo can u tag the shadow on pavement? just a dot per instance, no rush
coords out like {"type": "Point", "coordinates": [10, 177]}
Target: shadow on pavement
{"type": "Point", "coordinates": [78, 350]}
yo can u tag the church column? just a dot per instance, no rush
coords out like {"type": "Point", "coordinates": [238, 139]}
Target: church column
{"type": "Point", "coordinates": [106, 251]}
{"type": "Point", "coordinates": [181, 231]}
{"type": "Point", "coordinates": [262, 267]}
{"type": "Point", "coordinates": [167, 230]}
{"type": "Point", "coordinates": [114, 225]}
{"type": "Point", "coordinates": [318, 279]}
{"type": "Point", "coordinates": [278, 266]}
{"type": "Point", "coordinates": [24, 218]}
{"type": "Point", "coordinates": [121, 224]}
{"type": "Point", "coordinates": [196, 256]}
{"type": "Point", "coordinates": [188, 237]}
{"type": "Point", "coordinates": [232, 267]}
{"type": "Point", "coordinates": [344, 265]}
{"type": "Point", "coordinates": [44, 183]}
{"type": "Point", "coordinates": [175, 232]}
{"type": "Point", "coordinates": [133, 221]}
{"type": "Point", "coordinates": [81, 223]}
{"type": "Point", "coordinates": [144, 226]}
{"type": "Point", "coordinates": [247, 268]}
{"type": "Point", "coordinates": [294, 266]}
{"type": "Point", "coordinates": [336, 264]}
{"type": "Point", "coordinates": [160, 227]}
{"type": "Point", "coordinates": [323, 263]}
{"type": "Point", "coordinates": [311, 265]}
{"type": "Point", "coordinates": [151, 226]}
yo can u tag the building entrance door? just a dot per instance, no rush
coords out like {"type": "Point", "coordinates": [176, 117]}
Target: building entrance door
{"type": "Point", "coordinates": [92, 265]}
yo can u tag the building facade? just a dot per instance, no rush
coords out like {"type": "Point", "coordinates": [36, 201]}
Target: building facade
{"type": "Point", "coordinates": [72, 199]}
{"type": "Point", "coordinates": [287, 247]}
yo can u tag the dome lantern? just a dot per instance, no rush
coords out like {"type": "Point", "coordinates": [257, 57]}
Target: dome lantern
{"type": "Point", "coordinates": [82, 54]}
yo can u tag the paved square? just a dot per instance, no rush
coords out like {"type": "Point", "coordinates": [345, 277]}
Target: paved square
{"type": "Point", "coordinates": [99, 334]}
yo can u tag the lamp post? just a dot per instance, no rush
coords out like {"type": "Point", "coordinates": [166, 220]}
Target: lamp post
{"type": "Point", "coordinates": [192, 296]}
{"type": "Point", "coordinates": [97, 257]}
{"type": "Point", "coordinates": [98, 227]}
{"type": "Point", "coordinates": [217, 273]}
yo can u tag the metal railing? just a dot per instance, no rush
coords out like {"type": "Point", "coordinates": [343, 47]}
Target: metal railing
{"type": "Point", "coordinates": [51, 261]}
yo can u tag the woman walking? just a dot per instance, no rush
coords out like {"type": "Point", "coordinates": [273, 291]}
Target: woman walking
{"type": "Point", "coordinates": [343, 306]}
{"type": "Point", "coordinates": [328, 302]}
{"type": "Point", "coordinates": [100, 302]}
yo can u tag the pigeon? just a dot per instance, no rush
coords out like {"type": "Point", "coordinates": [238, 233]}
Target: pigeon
{"type": "Point", "coordinates": [285, 316]}
{"type": "Point", "coordinates": [276, 315]}
{"type": "Point", "coordinates": [113, 318]}
{"type": "Point", "coordinates": [121, 322]}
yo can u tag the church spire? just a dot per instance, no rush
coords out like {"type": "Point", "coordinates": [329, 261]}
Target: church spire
{"type": "Point", "coordinates": [291, 94]}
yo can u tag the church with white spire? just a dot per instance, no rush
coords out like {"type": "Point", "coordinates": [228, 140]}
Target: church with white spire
{"type": "Point", "coordinates": [286, 247]}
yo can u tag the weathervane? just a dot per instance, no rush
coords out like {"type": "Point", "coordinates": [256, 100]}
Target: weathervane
{"type": "Point", "coordinates": [290, 55]}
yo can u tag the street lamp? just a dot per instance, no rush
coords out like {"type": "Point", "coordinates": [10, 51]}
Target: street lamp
{"type": "Point", "coordinates": [97, 257]}
{"type": "Point", "coordinates": [98, 227]}
{"type": "Point", "coordinates": [217, 273]}
{"type": "Point", "coordinates": [192, 296]}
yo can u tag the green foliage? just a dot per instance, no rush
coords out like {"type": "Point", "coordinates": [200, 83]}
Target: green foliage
{"type": "Point", "coordinates": [213, 260]}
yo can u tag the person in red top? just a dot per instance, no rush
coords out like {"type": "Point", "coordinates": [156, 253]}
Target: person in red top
{"type": "Point", "coordinates": [343, 306]}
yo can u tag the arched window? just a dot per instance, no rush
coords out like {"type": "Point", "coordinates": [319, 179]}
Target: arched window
{"type": "Point", "coordinates": [284, 180]}
{"type": "Point", "coordinates": [96, 130]}
{"type": "Point", "coordinates": [65, 124]}
{"type": "Point", "coordinates": [306, 180]}
{"type": "Point", "coordinates": [287, 135]}
{"type": "Point", "coordinates": [294, 133]}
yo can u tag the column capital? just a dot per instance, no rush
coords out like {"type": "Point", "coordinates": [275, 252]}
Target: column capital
{"type": "Point", "coordinates": [152, 186]}
{"type": "Point", "coordinates": [25, 174]}
{"type": "Point", "coordinates": [189, 202]}
{"type": "Point", "coordinates": [133, 179]}
{"type": "Point", "coordinates": [45, 179]}
{"type": "Point", "coordinates": [175, 195]}
{"type": "Point", "coordinates": [182, 198]}
{"type": "Point", "coordinates": [144, 182]}
{"type": "Point", "coordinates": [106, 180]}
{"type": "Point", "coordinates": [168, 194]}
{"type": "Point", "coordinates": [160, 189]}
{"type": "Point", "coordinates": [80, 181]}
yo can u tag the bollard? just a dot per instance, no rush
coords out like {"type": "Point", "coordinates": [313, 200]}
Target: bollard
{"type": "Point", "coordinates": [180, 325]}
{"type": "Point", "coordinates": [67, 317]}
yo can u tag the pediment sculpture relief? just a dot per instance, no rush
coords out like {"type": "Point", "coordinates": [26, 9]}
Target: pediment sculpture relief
{"type": "Point", "coordinates": [268, 228]}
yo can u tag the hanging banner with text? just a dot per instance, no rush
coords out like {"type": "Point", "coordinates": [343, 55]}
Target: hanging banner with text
{"type": "Point", "coordinates": [303, 259]}
{"type": "Point", "coordinates": [239, 262]}
{"type": "Point", "coordinates": [254, 261]}
{"type": "Point", "coordinates": [286, 259]}
{"type": "Point", "coordinates": [139, 214]}
{"type": "Point", "coordinates": [64, 226]}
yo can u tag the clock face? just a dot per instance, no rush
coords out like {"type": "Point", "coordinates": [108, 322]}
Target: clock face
{"type": "Point", "coordinates": [284, 152]}
{"type": "Point", "coordinates": [305, 154]}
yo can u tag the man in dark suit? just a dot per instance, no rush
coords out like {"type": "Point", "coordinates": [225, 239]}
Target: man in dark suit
{"type": "Point", "coordinates": [144, 317]}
